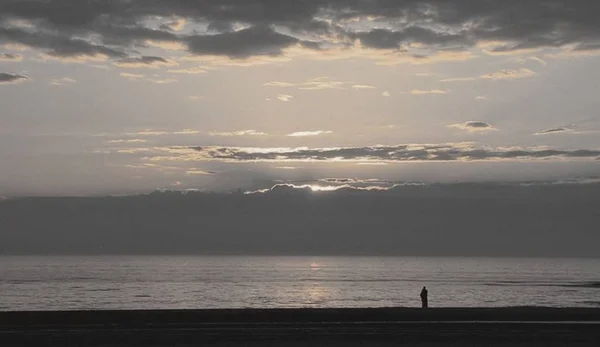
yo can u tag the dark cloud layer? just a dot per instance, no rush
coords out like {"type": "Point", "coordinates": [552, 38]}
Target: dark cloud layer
{"type": "Point", "coordinates": [398, 153]}
{"type": "Point", "coordinates": [116, 28]}
{"type": "Point", "coordinates": [460, 220]}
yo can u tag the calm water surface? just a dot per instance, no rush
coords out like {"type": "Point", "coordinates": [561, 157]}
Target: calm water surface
{"type": "Point", "coordinates": [115, 282]}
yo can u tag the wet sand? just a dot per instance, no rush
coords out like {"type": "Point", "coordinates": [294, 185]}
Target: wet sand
{"type": "Point", "coordinates": [305, 327]}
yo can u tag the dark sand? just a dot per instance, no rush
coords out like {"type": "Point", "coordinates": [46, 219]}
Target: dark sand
{"type": "Point", "coordinates": [306, 327]}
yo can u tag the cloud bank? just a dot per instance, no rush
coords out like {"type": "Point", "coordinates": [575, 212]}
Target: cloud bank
{"type": "Point", "coordinates": [387, 31]}
{"type": "Point", "coordinates": [371, 154]}
{"type": "Point", "coordinates": [290, 219]}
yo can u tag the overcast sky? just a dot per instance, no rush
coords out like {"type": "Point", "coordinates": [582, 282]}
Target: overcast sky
{"type": "Point", "coordinates": [129, 96]}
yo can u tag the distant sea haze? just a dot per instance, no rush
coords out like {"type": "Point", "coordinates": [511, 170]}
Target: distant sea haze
{"type": "Point", "coordinates": [170, 282]}
{"type": "Point", "coordinates": [553, 220]}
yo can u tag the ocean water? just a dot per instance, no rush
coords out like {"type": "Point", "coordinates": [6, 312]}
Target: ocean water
{"type": "Point", "coordinates": [174, 282]}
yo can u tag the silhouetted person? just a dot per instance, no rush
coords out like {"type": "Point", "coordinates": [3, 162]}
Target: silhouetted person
{"type": "Point", "coordinates": [424, 297]}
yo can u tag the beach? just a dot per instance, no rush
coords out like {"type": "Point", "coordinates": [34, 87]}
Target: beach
{"type": "Point", "coordinates": [518, 326]}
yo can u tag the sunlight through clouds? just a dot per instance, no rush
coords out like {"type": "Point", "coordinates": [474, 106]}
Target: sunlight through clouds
{"type": "Point", "coordinates": [473, 126]}
{"type": "Point", "coordinates": [310, 133]}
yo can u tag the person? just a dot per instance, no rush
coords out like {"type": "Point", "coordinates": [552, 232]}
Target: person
{"type": "Point", "coordinates": [424, 297]}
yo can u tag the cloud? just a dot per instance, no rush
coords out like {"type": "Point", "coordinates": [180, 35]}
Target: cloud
{"type": "Point", "coordinates": [509, 74]}
{"type": "Point", "coordinates": [127, 141]}
{"type": "Point", "coordinates": [319, 83]}
{"type": "Point", "coordinates": [162, 80]}
{"type": "Point", "coordinates": [198, 172]}
{"type": "Point", "coordinates": [7, 78]}
{"type": "Point", "coordinates": [65, 81]}
{"type": "Point", "coordinates": [284, 97]}
{"type": "Point", "coordinates": [576, 52]}
{"type": "Point", "coordinates": [175, 25]}
{"type": "Point", "coordinates": [368, 154]}
{"type": "Point", "coordinates": [249, 132]}
{"type": "Point", "coordinates": [186, 132]}
{"type": "Point", "coordinates": [473, 126]}
{"type": "Point", "coordinates": [536, 59]}
{"type": "Point", "coordinates": [385, 93]}
{"type": "Point", "coordinates": [141, 77]}
{"type": "Point", "coordinates": [190, 71]}
{"type": "Point", "coordinates": [57, 45]}
{"type": "Point", "coordinates": [148, 132]}
{"type": "Point", "coordinates": [506, 74]}
{"type": "Point", "coordinates": [132, 76]}
{"type": "Point", "coordinates": [253, 41]}
{"type": "Point", "coordinates": [375, 163]}
{"type": "Point", "coordinates": [362, 86]}
{"type": "Point", "coordinates": [481, 97]}
{"type": "Point", "coordinates": [559, 130]}
{"type": "Point", "coordinates": [459, 79]}
{"type": "Point", "coordinates": [195, 97]}
{"type": "Point", "coordinates": [390, 33]}
{"type": "Point", "coordinates": [99, 66]}
{"type": "Point", "coordinates": [10, 57]}
{"type": "Point", "coordinates": [427, 92]}
{"type": "Point", "coordinates": [310, 133]}
{"type": "Point", "coordinates": [15, 47]}
{"type": "Point", "coordinates": [166, 45]}
{"type": "Point", "coordinates": [317, 187]}
{"type": "Point", "coordinates": [144, 62]}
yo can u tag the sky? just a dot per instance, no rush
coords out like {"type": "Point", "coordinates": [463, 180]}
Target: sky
{"type": "Point", "coordinates": [118, 97]}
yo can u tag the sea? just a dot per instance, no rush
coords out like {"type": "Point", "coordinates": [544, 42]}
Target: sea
{"type": "Point", "coordinates": [202, 282]}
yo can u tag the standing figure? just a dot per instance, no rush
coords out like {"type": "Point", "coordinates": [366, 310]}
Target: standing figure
{"type": "Point", "coordinates": [424, 297]}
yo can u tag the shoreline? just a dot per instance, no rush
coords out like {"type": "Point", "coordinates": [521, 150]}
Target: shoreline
{"type": "Point", "coordinates": [510, 326]}
{"type": "Point", "coordinates": [300, 315]}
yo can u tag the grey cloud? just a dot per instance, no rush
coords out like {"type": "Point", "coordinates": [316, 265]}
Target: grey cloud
{"type": "Point", "coordinates": [7, 78]}
{"type": "Point", "coordinates": [553, 131]}
{"type": "Point", "coordinates": [477, 125]}
{"type": "Point", "coordinates": [63, 27]}
{"type": "Point", "coordinates": [134, 35]}
{"type": "Point", "coordinates": [387, 39]}
{"type": "Point", "coordinates": [144, 61]}
{"type": "Point", "coordinates": [220, 27]}
{"type": "Point", "coordinates": [397, 153]}
{"type": "Point", "coordinates": [241, 44]}
{"type": "Point", "coordinates": [56, 45]}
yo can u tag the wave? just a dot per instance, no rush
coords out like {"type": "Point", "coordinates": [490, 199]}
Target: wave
{"type": "Point", "coordinates": [104, 290]}
{"type": "Point", "coordinates": [586, 284]}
